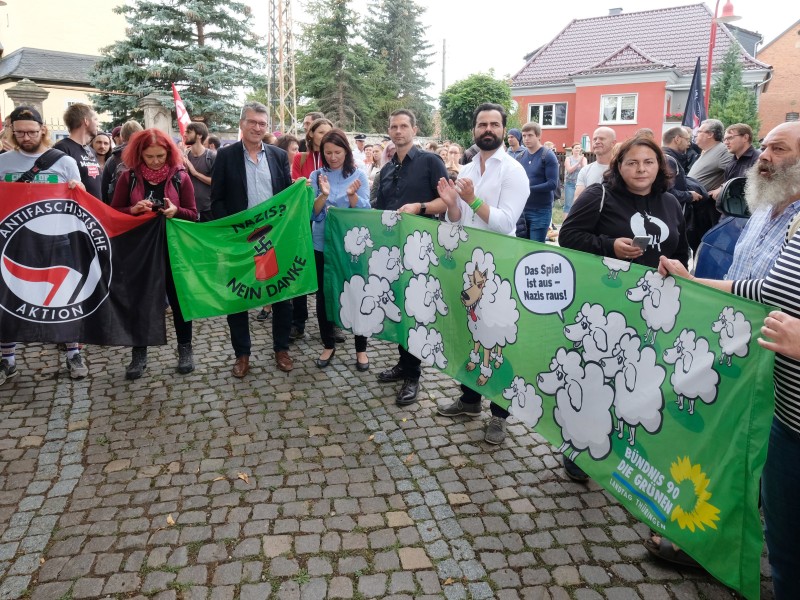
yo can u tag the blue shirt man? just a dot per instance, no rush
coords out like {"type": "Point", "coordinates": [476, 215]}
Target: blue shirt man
{"type": "Point", "coordinates": [541, 165]}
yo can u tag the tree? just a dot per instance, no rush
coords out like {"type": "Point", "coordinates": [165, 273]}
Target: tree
{"type": "Point", "coordinates": [397, 43]}
{"type": "Point", "coordinates": [204, 47]}
{"type": "Point", "coordinates": [731, 102]}
{"type": "Point", "coordinates": [460, 100]}
{"type": "Point", "coordinates": [331, 70]}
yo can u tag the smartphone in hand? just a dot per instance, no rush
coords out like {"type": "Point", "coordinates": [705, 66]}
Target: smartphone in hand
{"type": "Point", "coordinates": [641, 242]}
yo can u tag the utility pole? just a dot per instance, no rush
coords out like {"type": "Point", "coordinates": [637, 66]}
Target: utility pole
{"type": "Point", "coordinates": [281, 91]}
{"type": "Point", "coordinates": [444, 61]}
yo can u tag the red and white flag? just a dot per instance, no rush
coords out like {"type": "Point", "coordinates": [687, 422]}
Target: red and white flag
{"type": "Point", "coordinates": [180, 109]}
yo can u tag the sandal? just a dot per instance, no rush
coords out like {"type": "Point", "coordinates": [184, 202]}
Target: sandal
{"type": "Point", "coordinates": [666, 550]}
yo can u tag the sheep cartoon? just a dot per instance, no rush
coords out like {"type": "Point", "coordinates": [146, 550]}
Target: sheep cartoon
{"type": "Point", "coordinates": [365, 304]}
{"type": "Point", "coordinates": [428, 346]}
{"type": "Point", "coordinates": [356, 241]}
{"type": "Point", "coordinates": [424, 299]}
{"type": "Point", "coordinates": [390, 218]}
{"type": "Point", "coordinates": [418, 254]}
{"type": "Point", "coordinates": [694, 376]}
{"type": "Point", "coordinates": [449, 235]}
{"type": "Point", "coordinates": [638, 399]}
{"type": "Point", "coordinates": [615, 265]}
{"type": "Point", "coordinates": [492, 313]}
{"type": "Point", "coordinates": [660, 299]}
{"type": "Point", "coordinates": [734, 334]}
{"type": "Point", "coordinates": [595, 332]}
{"type": "Point", "coordinates": [583, 404]}
{"type": "Point", "coordinates": [526, 404]}
{"type": "Point", "coordinates": [385, 262]}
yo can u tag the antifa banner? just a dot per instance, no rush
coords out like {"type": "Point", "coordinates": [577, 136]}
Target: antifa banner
{"type": "Point", "coordinates": [655, 387]}
{"type": "Point", "coordinates": [259, 256]}
{"type": "Point", "coordinates": [75, 270]}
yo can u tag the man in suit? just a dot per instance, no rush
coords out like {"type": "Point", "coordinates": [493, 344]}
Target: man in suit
{"type": "Point", "coordinates": [245, 174]}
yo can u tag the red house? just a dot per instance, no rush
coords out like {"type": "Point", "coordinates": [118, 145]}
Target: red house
{"type": "Point", "coordinates": [624, 70]}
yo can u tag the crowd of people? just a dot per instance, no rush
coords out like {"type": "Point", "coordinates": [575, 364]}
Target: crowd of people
{"type": "Point", "coordinates": [506, 183]}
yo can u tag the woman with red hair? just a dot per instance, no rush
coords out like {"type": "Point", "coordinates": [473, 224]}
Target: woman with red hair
{"type": "Point", "coordinates": [156, 181]}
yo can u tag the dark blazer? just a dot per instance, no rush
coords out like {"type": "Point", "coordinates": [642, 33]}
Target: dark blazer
{"type": "Point", "coordinates": [229, 179]}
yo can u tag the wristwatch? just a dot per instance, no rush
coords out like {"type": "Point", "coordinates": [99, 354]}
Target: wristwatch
{"type": "Point", "coordinates": [421, 208]}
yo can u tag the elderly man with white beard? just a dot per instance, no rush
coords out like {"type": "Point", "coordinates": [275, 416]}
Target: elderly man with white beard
{"type": "Point", "coordinates": [773, 194]}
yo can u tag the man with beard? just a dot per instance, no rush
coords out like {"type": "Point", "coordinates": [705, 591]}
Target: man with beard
{"type": "Point", "coordinates": [407, 183]}
{"type": "Point", "coordinates": [82, 123]}
{"type": "Point", "coordinates": [199, 161]}
{"type": "Point", "coordinates": [772, 193]}
{"type": "Point", "coordinates": [31, 140]}
{"type": "Point", "coordinates": [490, 193]}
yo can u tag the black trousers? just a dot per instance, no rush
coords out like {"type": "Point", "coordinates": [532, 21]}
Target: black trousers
{"type": "Point", "coordinates": [470, 396]}
{"type": "Point", "coordinates": [239, 325]}
{"type": "Point", "coordinates": [325, 324]}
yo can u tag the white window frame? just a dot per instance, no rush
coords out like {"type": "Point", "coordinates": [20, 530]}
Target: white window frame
{"type": "Point", "coordinates": [619, 98]}
{"type": "Point", "coordinates": [553, 105]}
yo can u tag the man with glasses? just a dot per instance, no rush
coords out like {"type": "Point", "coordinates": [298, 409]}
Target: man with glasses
{"type": "Point", "coordinates": [739, 142]}
{"type": "Point", "coordinates": [31, 141]}
{"type": "Point", "coordinates": [407, 183]}
{"type": "Point", "coordinates": [245, 174]}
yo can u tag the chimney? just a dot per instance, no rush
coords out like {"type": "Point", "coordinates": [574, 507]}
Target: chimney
{"type": "Point", "coordinates": [614, 11]}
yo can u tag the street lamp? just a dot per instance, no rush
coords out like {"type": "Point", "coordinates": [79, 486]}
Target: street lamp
{"type": "Point", "coordinates": [726, 17]}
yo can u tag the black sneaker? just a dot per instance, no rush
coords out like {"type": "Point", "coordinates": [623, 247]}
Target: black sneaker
{"type": "Point", "coordinates": [7, 371]}
{"type": "Point", "coordinates": [264, 315]}
{"type": "Point", "coordinates": [76, 367]}
{"type": "Point", "coordinates": [297, 334]}
{"type": "Point", "coordinates": [396, 373]}
{"type": "Point", "coordinates": [459, 408]}
{"type": "Point", "coordinates": [573, 471]}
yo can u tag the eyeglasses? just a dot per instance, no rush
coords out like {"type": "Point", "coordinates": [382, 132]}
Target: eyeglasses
{"type": "Point", "coordinates": [728, 138]}
{"type": "Point", "coordinates": [28, 134]}
{"type": "Point", "coordinates": [254, 123]}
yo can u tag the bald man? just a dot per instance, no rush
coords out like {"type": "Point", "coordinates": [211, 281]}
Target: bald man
{"type": "Point", "coordinates": [603, 141]}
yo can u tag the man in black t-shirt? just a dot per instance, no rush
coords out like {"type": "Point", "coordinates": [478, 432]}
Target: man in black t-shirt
{"type": "Point", "coordinates": [82, 123]}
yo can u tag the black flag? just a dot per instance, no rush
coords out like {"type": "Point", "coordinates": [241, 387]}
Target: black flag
{"type": "Point", "coordinates": [695, 105]}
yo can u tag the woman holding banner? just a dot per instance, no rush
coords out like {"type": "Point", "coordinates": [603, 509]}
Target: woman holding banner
{"type": "Point", "coordinates": [338, 183]}
{"type": "Point", "coordinates": [156, 181]}
{"type": "Point", "coordinates": [630, 216]}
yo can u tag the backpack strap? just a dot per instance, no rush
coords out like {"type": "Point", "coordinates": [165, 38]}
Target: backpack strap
{"type": "Point", "coordinates": [44, 162]}
{"type": "Point", "coordinates": [794, 225]}
{"type": "Point", "coordinates": [602, 198]}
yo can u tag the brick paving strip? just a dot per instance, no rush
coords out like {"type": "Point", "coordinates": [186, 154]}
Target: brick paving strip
{"type": "Point", "coordinates": [303, 486]}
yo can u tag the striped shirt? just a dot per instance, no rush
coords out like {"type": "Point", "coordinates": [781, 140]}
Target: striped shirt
{"type": "Point", "coordinates": [780, 288]}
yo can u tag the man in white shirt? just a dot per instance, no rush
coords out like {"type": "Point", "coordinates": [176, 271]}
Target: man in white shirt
{"type": "Point", "coordinates": [490, 193]}
{"type": "Point", "coordinates": [603, 141]}
{"type": "Point", "coordinates": [358, 152]}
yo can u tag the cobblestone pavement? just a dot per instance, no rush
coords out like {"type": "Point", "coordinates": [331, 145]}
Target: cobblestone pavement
{"type": "Point", "coordinates": [305, 485]}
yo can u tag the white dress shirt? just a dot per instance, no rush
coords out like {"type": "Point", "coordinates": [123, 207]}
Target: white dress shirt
{"type": "Point", "coordinates": [503, 185]}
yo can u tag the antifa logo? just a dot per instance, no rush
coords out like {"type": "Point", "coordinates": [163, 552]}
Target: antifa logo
{"type": "Point", "coordinates": [55, 264]}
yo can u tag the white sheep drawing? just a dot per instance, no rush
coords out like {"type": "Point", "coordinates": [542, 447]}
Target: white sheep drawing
{"type": "Point", "coordinates": [365, 304]}
{"type": "Point", "coordinates": [583, 404]}
{"type": "Point", "coordinates": [356, 241]}
{"type": "Point", "coordinates": [734, 334]}
{"type": "Point", "coordinates": [595, 332]}
{"type": "Point", "coordinates": [694, 376]}
{"type": "Point", "coordinates": [638, 399]}
{"type": "Point", "coordinates": [660, 299]}
{"type": "Point", "coordinates": [449, 235]}
{"type": "Point", "coordinates": [615, 265]}
{"type": "Point", "coordinates": [492, 313]}
{"type": "Point", "coordinates": [428, 346]}
{"type": "Point", "coordinates": [390, 218]}
{"type": "Point", "coordinates": [424, 299]}
{"type": "Point", "coordinates": [526, 404]}
{"type": "Point", "coordinates": [385, 262]}
{"type": "Point", "coordinates": [418, 254]}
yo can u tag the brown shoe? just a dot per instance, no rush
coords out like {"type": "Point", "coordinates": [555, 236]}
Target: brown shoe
{"type": "Point", "coordinates": [284, 361]}
{"type": "Point", "coordinates": [241, 366]}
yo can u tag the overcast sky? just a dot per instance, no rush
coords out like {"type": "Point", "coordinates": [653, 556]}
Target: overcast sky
{"type": "Point", "coordinates": [484, 35]}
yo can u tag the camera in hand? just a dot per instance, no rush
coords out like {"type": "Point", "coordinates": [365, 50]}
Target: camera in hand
{"type": "Point", "coordinates": [158, 203]}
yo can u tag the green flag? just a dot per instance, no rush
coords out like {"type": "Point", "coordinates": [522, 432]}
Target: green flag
{"type": "Point", "coordinates": [655, 387]}
{"type": "Point", "coordinates": [259, 256]}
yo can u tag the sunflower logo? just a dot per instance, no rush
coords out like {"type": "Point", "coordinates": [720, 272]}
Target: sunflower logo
{"type": "Point", "coordinates": [696, 511]}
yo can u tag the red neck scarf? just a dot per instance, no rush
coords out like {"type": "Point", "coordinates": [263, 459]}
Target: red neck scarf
{"type": "Point", "coordinates": [157, 175]}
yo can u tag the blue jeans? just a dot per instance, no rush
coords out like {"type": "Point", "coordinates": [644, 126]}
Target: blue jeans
{"type": "Point", "coordinates": [569, 194]}
{"type": "Point", "coordinates": [538, 220]}
{"type": "Point", "coordinates": [780, 497]}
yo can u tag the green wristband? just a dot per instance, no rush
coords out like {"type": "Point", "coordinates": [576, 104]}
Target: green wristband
{"type": "Point", "coordinates": [476, 204]}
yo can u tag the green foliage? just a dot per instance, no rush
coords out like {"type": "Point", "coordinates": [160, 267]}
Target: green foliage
{"type": "Point", "coordinates": [205, 47]}
{"type": "Point", "coordinates": [401, 55]}
{"type": "Point", "coordinates": [731, 102]}
{"type": "Point", "coordinates": [460, 100]}
{"type": "Point", "coordinates": [332, 68]}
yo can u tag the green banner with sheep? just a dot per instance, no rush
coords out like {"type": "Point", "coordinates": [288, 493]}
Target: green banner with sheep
{"type": "Point", "coordinates": [655, 387]}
